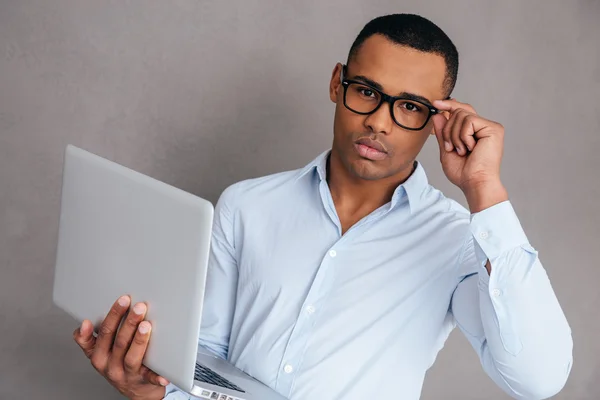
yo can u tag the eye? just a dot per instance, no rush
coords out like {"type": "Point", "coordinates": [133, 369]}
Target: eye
{"type": "Point", "coordinates": [365, 91]}
{"type": "Point", "coordinates": [411, 107]}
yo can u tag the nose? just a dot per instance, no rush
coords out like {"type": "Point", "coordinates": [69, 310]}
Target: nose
{"type": "Point", "coordinates": [381, 120]}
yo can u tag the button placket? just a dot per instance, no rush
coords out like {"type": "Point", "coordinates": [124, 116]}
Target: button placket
{"type": "Point", "coordinates": [302, 331]}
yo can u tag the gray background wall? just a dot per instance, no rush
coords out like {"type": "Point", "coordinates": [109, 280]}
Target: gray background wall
{"type": "Point", "coordinates": [204, 93]}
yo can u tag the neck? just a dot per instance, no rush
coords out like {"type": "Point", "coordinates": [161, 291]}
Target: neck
{"type": "Point", "coordinates": [354, 194]}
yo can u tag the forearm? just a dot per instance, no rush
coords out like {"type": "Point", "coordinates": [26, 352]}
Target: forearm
{"type": "Point", "coordinates": [528, 338]}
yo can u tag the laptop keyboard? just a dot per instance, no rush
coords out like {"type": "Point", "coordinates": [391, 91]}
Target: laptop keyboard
{"type": "Point", "coordinates": [207, 375]}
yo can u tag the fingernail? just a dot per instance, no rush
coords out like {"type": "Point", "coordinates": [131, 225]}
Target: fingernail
{"type": "Point", "coordinates": [144, 327]}
{"type": "Point", "coordinates": [163, 381]}
{"type": "Point", "coordinates": [82, 326]}
{"type": "Point", "coordinates": [448, 146]}
{"type": "Point", "coordinates": [124, 301]}
{"type": "Point", "coordinates": [139, 308]}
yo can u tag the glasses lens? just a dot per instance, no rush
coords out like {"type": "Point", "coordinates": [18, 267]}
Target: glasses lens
{"type": "Point", "coordinates": [361, 98]}
{"type": "Point", "coordinates": [410, 113]}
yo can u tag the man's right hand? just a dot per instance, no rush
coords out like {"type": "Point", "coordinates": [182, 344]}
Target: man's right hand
{"type": "Point", "coordinates": [117, 354]}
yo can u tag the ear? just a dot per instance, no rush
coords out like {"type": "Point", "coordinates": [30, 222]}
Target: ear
{"type": "Point", "coordinates": [335, 85]}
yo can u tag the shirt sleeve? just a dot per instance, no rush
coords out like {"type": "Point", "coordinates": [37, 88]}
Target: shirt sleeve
{"type": "Point", "coordinates": [172, 392]}
{"type": "Point", "coordinates": [222, 278]}
{"type": "Point", "coordinates": [511, 317]}
{"type": "Point", "coordinates": [221, 284]}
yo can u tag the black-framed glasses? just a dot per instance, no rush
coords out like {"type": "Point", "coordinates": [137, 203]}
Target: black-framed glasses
{"type": "Point", "coordinates": [362, 98]}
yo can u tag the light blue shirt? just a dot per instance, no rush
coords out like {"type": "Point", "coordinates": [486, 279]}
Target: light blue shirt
{"type": "Point", "coordinates": [316, 314]}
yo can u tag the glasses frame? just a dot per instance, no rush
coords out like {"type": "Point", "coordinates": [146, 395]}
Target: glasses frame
{"type": "Point", "coordinates": [385, 98]}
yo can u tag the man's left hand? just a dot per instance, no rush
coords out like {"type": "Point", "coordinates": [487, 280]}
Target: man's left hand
{"type": "Point", "coordinates": [471, 150]}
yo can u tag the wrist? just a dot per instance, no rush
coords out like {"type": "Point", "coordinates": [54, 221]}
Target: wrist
{"type": "Point", "coordinates": [485, 194]}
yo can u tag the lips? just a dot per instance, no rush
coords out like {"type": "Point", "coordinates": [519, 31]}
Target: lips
{"type": "Point", "coordinates": [370, 149]}
{"type": "Point", "coordinates": [372, 144]}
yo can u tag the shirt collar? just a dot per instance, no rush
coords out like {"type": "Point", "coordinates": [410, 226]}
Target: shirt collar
{"type": "Point", "coordinates": [413, 187]}
{"type": "Point", "coordinates": [319, 163]}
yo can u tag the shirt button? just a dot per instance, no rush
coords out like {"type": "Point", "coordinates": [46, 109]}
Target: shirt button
{"type": "Point", "coordinates": [310, 309]}
{"type": "Point", "coordinates": [496, 292]}
{"type": "Point", "coordinates": [484, 235]}
{"type": "Point", "coordinates": [288, 369]}
{"type": "Point", "coordinates": [332, 253]}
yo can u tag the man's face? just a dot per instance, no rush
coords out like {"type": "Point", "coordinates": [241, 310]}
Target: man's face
{"type": "Point", "coordinates": [397, 70]}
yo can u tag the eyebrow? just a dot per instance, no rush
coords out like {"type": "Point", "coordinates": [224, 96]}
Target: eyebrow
{"type": "Point", "coordinates": [404, 95]}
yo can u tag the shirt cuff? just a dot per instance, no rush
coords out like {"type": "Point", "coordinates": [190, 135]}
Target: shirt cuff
{"type": "Point", "coordinates": [496, 230]}
{"type": "Point", "coordinates": [172, 392]}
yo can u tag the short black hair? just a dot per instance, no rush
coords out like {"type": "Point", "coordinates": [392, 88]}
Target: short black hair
{"type": "Point", "coordinates": [416, 32]}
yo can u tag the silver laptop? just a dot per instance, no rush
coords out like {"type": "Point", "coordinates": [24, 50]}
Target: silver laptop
{"type": "Point", "coordinates": [122, 232]}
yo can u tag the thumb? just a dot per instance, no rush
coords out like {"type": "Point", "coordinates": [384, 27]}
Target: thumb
{"type": "Point", "coordinates": [439, 122]}
{"type": "Point", "coordinates": [84, 338]}
{"type": "Point", "coordinates": [152, 377]}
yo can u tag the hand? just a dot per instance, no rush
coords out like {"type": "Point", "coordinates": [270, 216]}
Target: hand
{"type": "Point", "coordinates": [121, 363]}
{"type": "Point", "coordinates": [471, 150]}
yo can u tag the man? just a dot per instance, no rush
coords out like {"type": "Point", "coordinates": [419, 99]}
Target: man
{"type": "Point", "coordinates": [343, 280]}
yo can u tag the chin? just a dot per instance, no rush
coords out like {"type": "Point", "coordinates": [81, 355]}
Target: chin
{"type": "Point", "coordinates": [368, 170]}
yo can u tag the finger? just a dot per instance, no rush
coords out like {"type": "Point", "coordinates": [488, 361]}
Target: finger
{"type": "Point", "coordinates": [107, 331]}
{"type": "Point", "coordinates": [135, 354]}
{"type": "Point", "coordinates": [438, 129]}
{"type": "Point", "coordinates": [439, 123]}
{"type": "Point", "coordinates": [452, 106]}
{"type": "Point", "coordinates": [467, 133]}
{"type": "Point", "coordinates": [84, 337]}
{"type": "Point", "coordinates": [150, 376]}
{"type": "Point", "coordinates": [126, 334]}
{"type": "Point", "coordinates": [449, 144]}
{"type": "Point", "coordinates": [457, 131]}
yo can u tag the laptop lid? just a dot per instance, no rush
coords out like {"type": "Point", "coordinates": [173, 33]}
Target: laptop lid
{"type": "Point", "coordinates": [122, 232]}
